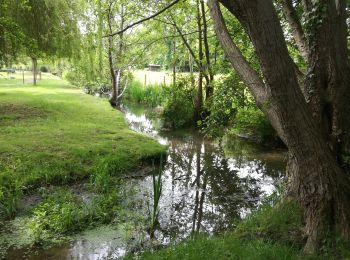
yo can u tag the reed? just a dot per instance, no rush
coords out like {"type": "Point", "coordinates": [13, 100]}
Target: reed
{"type": "Point", "coordinates": [157, 192]}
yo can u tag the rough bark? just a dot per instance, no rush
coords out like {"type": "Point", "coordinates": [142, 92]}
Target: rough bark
{"type": "Point", "coordinates": [327, 84]}
{"type": "Point", "coordinates": [315, 178]}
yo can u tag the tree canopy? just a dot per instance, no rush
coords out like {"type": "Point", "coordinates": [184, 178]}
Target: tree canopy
{"type": "Point", "coordinates": [285, 60]}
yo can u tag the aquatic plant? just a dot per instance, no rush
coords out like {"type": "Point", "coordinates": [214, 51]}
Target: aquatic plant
{"type": "Point", "coordinates": [10, 193]}
{"type": "Point", "coordinates": [157, 192]}
{"type": "Point", "coordinates": [152, 94]}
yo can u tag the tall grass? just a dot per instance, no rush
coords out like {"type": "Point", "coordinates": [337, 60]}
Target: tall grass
{"type": "Point", "coordinates": [152, 94]}
{"type": "Point", "coordinates": [10, 194]}
{"type": "Point", "coordinates": [157, 192]}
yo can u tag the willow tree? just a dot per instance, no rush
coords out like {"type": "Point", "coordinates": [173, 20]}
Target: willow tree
{"type": "Point", "coordinates": [311, 115]}
{"type": "Point", "coordinates": [49, 28]}
{"type": "Point", "coordinates": [11, 35]}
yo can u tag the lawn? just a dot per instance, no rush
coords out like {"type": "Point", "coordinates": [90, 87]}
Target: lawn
{"type": "Point", "coordinates": [53, 134]}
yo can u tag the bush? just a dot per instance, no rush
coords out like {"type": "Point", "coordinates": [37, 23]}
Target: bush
{"type": "Point", "coordinates": [223, 105]}
{"type": "Point", "coordinates": [253, 124]}
{"type": "Point", "coordinates": [44, 69]}
{"type": "Point", "coordinates": [179, 108]}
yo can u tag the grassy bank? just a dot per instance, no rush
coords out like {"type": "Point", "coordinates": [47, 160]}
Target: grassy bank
{"type": "Point", "coordinates": [53, 134]}
{"type": "Point", "coordinates": [274, 231]}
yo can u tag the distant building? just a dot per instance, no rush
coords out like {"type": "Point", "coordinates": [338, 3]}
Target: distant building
{"type": "Point", "coordinates": [153, 67]}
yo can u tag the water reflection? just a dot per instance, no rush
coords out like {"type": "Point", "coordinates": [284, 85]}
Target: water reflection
{"type": "Point", "coordinates": [206, 188]}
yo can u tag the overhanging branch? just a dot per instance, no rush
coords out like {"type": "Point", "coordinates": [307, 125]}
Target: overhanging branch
{"type": "Point", "coordinates": [144, 19]}
{"type": "Point", "coordinates": [233, 53]}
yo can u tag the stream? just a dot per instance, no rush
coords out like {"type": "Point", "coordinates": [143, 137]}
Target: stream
{"type": "Point", "coordinates": [206, 187]}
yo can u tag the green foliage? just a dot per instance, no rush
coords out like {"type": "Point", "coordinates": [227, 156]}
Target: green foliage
{"type": "Point", "coordinates": [63, 213]}
{"type": "Point", "coordinates": [224, 247]}
{"type": "Point", "coordinates": [179, 108]}
{"type": "Point", "coordinates": [57, 215]}
{"type": "Point", "coordinates": [11, 35]}
{"type": "Point", "coordinates": [271, 232]}
{"type": "Point", "coordinates": [274, 221]}
{"type": "Point", "coordinates": [251, 122]}
{"type": "Point", "coordinates": [232, 107]}
{"type": "Point", "coordinates": [135, 92]}
{"type": "Point", "coordinates": [152, 94]}
{"type": "Point", "coordinates": [10, 193]}
{"type": "Point", "coordinates": [229, 96]}
{"type": "Point", "coordinates": [38, 28]}
{"type": "Point", "coordinates": [44, 69]}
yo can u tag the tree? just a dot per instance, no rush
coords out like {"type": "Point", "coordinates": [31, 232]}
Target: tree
{"type": "Point", "coordinates": [11, 36]}
{"type": "Point", "coordinates": [310, 116]}
{"type": "Point", "coordinates": [49, 28]}
{"type": "Point", "coordinates": [121, 15]}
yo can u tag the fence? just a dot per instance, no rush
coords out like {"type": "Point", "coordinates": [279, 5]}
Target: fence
{"type": "Point", "coordinates": [22, 76]}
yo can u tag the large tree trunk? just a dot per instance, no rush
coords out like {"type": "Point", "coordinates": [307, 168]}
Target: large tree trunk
{"type": "Point", "coordinates": [327, 84]}
{"type": "Point", "coordinates": [315, 178]}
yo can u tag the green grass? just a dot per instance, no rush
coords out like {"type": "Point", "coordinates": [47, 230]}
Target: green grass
{"type": "Point", "coordinates": [152, 94]}
{"type": "Point", "coordinates": [274, 231]}
{"type": "Point", "coordinates": [224, 247]}
{"type": "Point", "coordinates": [53, 134]}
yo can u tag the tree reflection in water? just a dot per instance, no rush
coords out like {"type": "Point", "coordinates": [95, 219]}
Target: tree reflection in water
{"type": "Point", "coordinates": [206, 188]}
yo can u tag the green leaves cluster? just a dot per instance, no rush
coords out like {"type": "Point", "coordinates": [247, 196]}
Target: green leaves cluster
{"type": "Point", "coordinates": [38, 29]}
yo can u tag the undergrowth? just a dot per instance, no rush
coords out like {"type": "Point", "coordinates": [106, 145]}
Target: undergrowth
{"type": "Point", "coordinates": [273, 231]}
{"type": "Point", "coordinates": [62, 213]}
{"type": "Point", "coordinates": [152, 94]}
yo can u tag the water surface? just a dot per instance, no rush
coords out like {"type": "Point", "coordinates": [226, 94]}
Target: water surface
{"type": "Point", "coordinates": [207, 186]}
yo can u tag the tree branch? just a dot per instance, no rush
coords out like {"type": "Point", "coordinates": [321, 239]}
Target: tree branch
{"type": "Point", "coordinates": [144, 19]}
{"type": "Point", "coordinates": [297, 30]}
{"type": "Point", "coordinates": [233, 53]}
{"type": "Point", "coordinates": [200, 67]}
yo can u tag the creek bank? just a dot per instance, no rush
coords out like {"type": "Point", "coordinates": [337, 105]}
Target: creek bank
{"type": "Point", "coordinates": [62, 139]}
{"type": "Point", "coordinates": [206, 189]}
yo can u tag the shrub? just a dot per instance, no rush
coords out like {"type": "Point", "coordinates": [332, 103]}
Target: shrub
{"type": "Point", "coordinates": [179, 108]}
{"type": "Point", "coordinates": [223, 105]}
{"type": "Point", "coordinates": [44, 69]}
{"type": "Point", "coordinates": [251, 122]}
